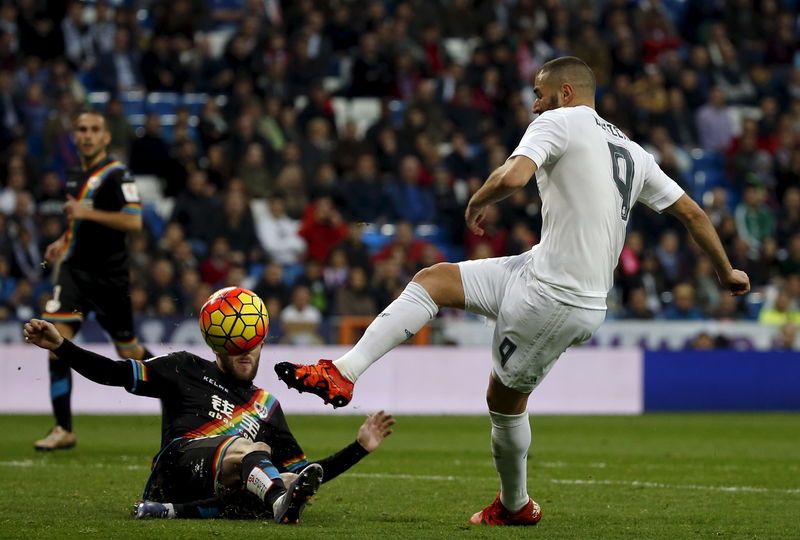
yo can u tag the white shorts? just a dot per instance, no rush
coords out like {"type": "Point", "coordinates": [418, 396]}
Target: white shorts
{"type": "Point", "coordinates": [532, 328]}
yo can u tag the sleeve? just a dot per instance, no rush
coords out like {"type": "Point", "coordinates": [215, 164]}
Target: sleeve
{"type": "Point", "coordinates": [659, 191]}
{"type": "Point", "coordinates": [342, 460]}
{"type": "Point", "coordinates": [545, 139]}
{"type": "Point", "coordinates": [93, 366]}
{"type": "Point", "coordinates": [120, 194]}
{"type": "Point", "coordinates": [286, 452]}
{"type": "Point", "coordinates": [157, 376]}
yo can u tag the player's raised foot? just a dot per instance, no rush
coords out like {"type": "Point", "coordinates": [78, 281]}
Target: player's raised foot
{"type": "Point", "coordinates": [290, 505]}
{"type": "Point", "coordinates": [58, 439]}
{"type": "Point", "coordinates": [152, 510]}
{"type": "Point", "coordinates": [497, 514]}
{"type": "Point", "coordinates": [322, 379]}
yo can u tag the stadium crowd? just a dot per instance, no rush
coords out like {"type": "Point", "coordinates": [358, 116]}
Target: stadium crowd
{"type": "Point", "coordinates": [266, 184]}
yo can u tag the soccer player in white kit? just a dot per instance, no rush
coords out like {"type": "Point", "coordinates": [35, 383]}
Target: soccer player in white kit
{"type": "Point", "coordinates": [552, 297]}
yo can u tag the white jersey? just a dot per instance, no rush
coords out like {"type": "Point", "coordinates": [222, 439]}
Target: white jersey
{"type": "Point", "coordinates": [589, 175]}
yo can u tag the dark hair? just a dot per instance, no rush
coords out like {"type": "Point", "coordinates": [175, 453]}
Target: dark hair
{"type": "Point", "coordinates": [571, 69]}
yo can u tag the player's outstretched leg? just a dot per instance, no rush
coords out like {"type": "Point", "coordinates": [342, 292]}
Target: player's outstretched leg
{"type": "Point", "coordinates": [497, 514]}
{"type": "Point", "coordinates": [290, 505]}
{"type": "Point", "coordinates": [322, 379]}
{"type": "Point", "coordinates": [414, 308]}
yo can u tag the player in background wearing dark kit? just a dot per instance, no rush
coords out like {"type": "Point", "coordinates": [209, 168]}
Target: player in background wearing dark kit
{"type": "Point", "coordinates": [226, 449]}
{"type": "Point", "coordinates": [92, 262]}
{"type": "Point", "coordinates": [589, 174]}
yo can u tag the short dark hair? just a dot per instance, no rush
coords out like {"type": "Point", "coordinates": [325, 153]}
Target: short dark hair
{"type": "Point", "coordinates": [573, 70]}
{"type": "Point", "coordinates": [89, 110]}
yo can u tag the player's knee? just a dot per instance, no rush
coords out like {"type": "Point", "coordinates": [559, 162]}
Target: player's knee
{"type": "Point", "coordinates": [443, 283]}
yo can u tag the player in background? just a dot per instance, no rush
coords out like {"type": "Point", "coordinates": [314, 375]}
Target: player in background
{"type": "Point", "coordinates": [226, 449]}
{"type": "Point", "coordinates": [552, 297]}
{"type": "Point", "coordinates": [92, 262]}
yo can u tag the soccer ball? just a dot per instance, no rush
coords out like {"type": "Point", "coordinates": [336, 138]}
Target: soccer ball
{"type": "Point", "coordinates": [233, 320]}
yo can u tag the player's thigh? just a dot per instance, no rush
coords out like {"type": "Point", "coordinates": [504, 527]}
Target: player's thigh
{"type": "Point", "coordinates": [68, 304]}
{"type": "Point", "coordinates": [486, 282]}
{"type": "Point", "coordinates": [112, 302]}
{"type": "Point", "coordinates": [189, 470]}
{"type": "Point", "coordinates": [532, 332]}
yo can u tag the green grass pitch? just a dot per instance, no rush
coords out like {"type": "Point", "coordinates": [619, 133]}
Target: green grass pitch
{"type": "Point", "coordinates": [653, 476]}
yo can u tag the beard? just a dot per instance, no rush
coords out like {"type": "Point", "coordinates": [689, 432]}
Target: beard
{"type": "Point", "coordinates": [551, 103]}
{"type": "Point", "coordinates": [241, 367]}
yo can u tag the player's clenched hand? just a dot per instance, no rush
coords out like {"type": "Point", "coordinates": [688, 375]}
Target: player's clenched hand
{"type": "Point", "coordinates": [736, 282]}
{"type": "Point", "coordinates": [73, 209]}
{"type": "Point", "coordinates": [474, 218]}
{"type": "Point", "coordinates": [42, 334]}
{"type": "Point", "coordinates": [54, 250]}
{"type": "Point", "coordinates": [374, 429]}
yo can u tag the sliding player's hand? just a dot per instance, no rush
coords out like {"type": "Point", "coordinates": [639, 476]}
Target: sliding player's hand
{"type": "Point", "coordinates": [374, 429]}
{"type": "Point", "coordinates": [42, 334]}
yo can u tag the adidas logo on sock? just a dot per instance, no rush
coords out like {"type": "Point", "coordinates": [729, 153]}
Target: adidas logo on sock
{"type": "Point", "coordinates": [409, 335]}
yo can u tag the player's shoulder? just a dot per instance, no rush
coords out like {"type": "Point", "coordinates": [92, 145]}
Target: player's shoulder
{"type": "Point", "coordinates": [119, 171]}
{"type": "Point", "coordinates": [177, 358]}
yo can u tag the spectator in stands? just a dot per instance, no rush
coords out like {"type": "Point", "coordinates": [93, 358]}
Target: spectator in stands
{"type": "Point", "coordinates": [408, 200]}
{"type": "Point", "coordinates": [754, 219]}
{"type": "Point", "coordinates": [791, 263]}
{"type": "Point", "coordinates": [404, 247]}
{"type": "Point", "coordinates": [788, 221]}
{"type": "Point", "coordinates": [636, 306]}
{"type": "Point", "coordinates": [279, 234]}
{"type": "Point", "coordinates": [322, 228]}
{"type": "Point", "coordinates": [683, 306]}
{"type": "Point", "coordinates": [669, 256]}
{"type": "Point", "coordinates": [150, 154]}
{"type": "Point", "coordinates": [678, 119]}
{"type": "Point", "coordinates": [714, 127]}
{"type": "Point", "coordinates": [119, 126]}
{"type": "Point", "coordinates": [300, 319]}
{"type": "Point", "coordinates": [783, 310]}
{"type": "Point", "coordinates": [194, 210]}
{"type": "Point", "coordinates": [118, 70]}
{"type": "Point", "coordinates": [214, 269]}
{"type": "Point", "coordinates": [254, 172]}
{"type": "Point", "coordinates": [271, 284]}
{"type": "Point", "coordinates": [237, 226]}
{"type": "Point", "coordinates": [786, 339]}
{"type": "Point", "coordinates": [364, 194]}
{"type": "Point", "coordinates": [336, 270]}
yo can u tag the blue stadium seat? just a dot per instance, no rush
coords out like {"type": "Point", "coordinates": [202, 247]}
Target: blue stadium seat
{"type": "Point", "coordinates": [194, 102]}
{"type": "Point", "coordinates": [162, 103]}
{"type": "Point", "coordinates": [132, 102]}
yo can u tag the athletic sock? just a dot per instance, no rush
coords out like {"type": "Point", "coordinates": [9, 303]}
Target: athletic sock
{"type": "Point", "coordinates": [60, 392]}
{"type": "Point", "coordinates": [401, 319]}
{"type": "Point", "coordinates": [511, 438]}
{"type": "Point", "coordinates": [262, 478]}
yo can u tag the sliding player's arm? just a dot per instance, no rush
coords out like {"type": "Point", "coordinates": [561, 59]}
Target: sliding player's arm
{"type": "Point", "coordinates": [91, 365]}
{"type": "Point", "coordinates": [370, 436]}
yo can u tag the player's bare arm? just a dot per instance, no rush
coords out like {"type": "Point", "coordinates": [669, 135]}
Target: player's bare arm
{"type": "Point", "coordinates": [54, 249]}
{"type": "Point", "coordinates": [700, 227]}
{"type": "Point", "coordinates": [122, 221]}
{"type": "Point", "coordinates": [512, 175]}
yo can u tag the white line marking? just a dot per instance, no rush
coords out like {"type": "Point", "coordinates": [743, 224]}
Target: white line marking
{"type": "Point", "coordinates": [637, 483]}
{"type": "Point", "coordinates": [633, 483]}
{"type": "Point", "coordinates": [383, 476]}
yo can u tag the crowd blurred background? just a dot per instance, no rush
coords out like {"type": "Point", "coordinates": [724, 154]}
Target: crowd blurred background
{"type": "Point", "coordinates": [320, 153]}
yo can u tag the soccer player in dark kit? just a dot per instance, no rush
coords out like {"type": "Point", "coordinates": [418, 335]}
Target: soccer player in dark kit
{"type": "Point", "coordinates": [226, 449]}
{"type": "Point", "coordinates": [92, 262]}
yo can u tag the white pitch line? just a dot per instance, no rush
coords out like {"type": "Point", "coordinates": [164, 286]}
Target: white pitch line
{"type": "Point", "coordinates": [384, 476]}
{"type": "Point", "coordinates": [633, 483]}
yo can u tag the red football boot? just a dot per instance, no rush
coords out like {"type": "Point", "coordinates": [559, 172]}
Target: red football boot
{"type": "Point", "coordinates": [497, 514]}
{"type": "Point", "coordinates": [322, 379]}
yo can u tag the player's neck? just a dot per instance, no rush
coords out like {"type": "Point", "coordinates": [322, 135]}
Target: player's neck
{"type": "Point", "coordinates": [581, 102]}
{"type": "Point", "coordinates": [88, 163]}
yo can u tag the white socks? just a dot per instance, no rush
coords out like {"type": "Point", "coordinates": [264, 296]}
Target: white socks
{"type": "Point", "coordinates": [399, 321]}
{"type": "Point", "coordinates": [511, 438]}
